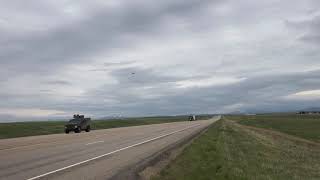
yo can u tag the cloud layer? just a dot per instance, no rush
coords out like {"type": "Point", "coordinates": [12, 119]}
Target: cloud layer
{"type": "Point", "coordinates": [137, 57]}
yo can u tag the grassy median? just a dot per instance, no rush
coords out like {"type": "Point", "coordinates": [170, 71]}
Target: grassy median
{"type": "Point", "coordinates": [229, 150]}
{"type": "Point", "coordinates": [21, 129]}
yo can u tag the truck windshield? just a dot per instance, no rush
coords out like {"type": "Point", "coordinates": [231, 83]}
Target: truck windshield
{"type": "Point", "coordinates": [74, 121]}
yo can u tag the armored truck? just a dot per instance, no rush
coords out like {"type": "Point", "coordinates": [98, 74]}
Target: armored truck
{"type": "Point", "coordinates": [77, 124]}
{"type": "Point", "coordinates": [192, 118]}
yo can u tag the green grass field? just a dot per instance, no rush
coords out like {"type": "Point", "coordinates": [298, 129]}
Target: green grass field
{"type": "Point", "coordinates": [304, 126]}
{"type": "Point", "coordinates": [229, 150]}
{"type": "Point", "coordinates": [21, 129]}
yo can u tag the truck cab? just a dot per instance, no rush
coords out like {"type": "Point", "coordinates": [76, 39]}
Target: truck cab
{"type": "Point", "coordinates": [77, 124]}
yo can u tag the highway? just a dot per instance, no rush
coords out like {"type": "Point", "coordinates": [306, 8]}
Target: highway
{"type": "Point", "coordinates": [99, 154]}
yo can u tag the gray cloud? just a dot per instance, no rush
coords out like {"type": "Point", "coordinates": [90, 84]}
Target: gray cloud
{"type": "Point", "coordinates": [254, 94]}
{"type": "Point", "coordinates": [309, 28]}
{"type": "Point", "coordinates": [58, 82]}
{"type": "Point", "coordinates": [106, 29]}
{"type": "Point", "coordinates": [156, 58]}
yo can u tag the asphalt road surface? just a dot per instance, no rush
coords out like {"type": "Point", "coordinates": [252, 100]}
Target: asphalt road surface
{"type": "Point", "coordinates": [98, 154]}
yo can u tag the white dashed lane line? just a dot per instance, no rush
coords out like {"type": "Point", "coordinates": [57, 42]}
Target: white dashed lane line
{"type": "Point", "coordinates": [107, 154]}
{"type": "Point", "coordinates": [96, 142]}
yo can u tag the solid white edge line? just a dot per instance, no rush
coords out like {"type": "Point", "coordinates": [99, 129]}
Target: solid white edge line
{"type": "Point", "coordinates": [107, 154]}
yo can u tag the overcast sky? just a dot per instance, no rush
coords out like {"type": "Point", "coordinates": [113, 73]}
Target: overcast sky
{"type": "Point", "coordinates": [168, 57]}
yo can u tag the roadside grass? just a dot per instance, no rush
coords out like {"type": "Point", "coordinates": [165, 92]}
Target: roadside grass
{"type": "Point", "coordinates": [231, 151]}
{"type": "Point", "coordinates": [304, 126]}
{"type": "Point", "coordinates": [21, 129]}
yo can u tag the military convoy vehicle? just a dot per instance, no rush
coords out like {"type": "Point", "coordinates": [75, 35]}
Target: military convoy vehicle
{"type": "Point", "coordinates": [192, 118]}
{"type": "Point", "coordinates": [78, 123]}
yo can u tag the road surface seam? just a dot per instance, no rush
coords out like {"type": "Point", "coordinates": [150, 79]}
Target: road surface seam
{"type": "Point", "coordinates": [107, 154]}
{"type": "Point", "coordinates": [96, 142]}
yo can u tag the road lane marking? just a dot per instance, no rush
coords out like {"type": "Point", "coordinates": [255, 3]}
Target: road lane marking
{"type": "Point", "coordinates": [94, 142]}
{"type": "Point", "coordinates": [59, 141]}
{"type": "Point", "coordinates": [113, 152]}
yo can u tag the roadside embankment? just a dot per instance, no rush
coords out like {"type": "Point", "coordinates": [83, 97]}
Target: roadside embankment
{"type": "Point", "coordinates": [228, 150]}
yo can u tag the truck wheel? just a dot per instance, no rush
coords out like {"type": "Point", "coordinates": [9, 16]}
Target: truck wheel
{"type": "Point", "coordinates": [78, 130]}
{"type": "Point", "coordinates": [88, 129]}
{"type": "Point", "coordinates": [66, 131]}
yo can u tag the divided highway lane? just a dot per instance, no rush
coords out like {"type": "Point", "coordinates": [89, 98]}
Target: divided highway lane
{"type": "Point", "coordinates": [96, 155]}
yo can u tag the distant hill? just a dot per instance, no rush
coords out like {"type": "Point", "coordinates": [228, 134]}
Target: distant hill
{"type": "Point", "coordinates": [311, 109]}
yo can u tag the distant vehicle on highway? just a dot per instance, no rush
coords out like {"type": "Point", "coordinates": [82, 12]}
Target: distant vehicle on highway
{"type": "Point", "coordinates": [78, 123]}
{"type": "Point", "coordinates": [192, 118]}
